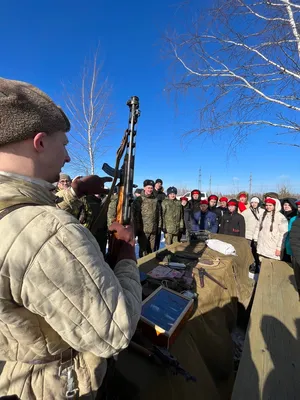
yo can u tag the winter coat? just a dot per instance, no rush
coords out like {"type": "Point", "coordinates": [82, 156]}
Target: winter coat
{"type": "Point", "coordinates": [295, 240]}
{"type": "Point", "coordinates": [210, 221]}
{"type": "Point", "coordinates": [217, 211]}
{"type": "Point", "coordinates": [159, 194]}
{"type": "Point", "coordinates": [147, 214]}
{"type": "Point", "coordinates": [251, 217]}
{"type": "Point", "coordinates": [194, 205]}
{"type": "Point", "coordinates": [268, 242]}
{"type": "Point", "coordinates": [172, 216]}
{"type": "Point", "coordinates": [232, 224]}
{"type": "Point", "coordinates": [288, 241]}
{"type": "Point", "coordinates": [223, 210]}
{"type": "Point", "coordinates": [57, 292]}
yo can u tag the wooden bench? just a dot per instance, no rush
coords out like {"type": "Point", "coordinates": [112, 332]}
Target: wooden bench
{"type": "Point", "coordinates": [270, 364]}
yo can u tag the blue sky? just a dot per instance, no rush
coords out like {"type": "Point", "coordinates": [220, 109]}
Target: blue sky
{"type": "Point", "coordinates": [46, 42]}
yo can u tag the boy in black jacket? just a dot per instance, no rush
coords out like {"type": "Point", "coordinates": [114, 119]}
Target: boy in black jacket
{"type": "Point", "coordinates": [233, 223]}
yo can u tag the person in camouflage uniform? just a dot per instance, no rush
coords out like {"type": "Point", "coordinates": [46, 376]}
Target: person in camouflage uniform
{"type": "Point", "coordinates": [86, 209]}
{"type": "Point", "coordinates": [147, 218]}
{"type": "Point", "coordinates": [172, 215]}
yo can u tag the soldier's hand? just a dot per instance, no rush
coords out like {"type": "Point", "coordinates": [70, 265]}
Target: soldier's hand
{"type": "Point", "coordinates": [124, 233]}
{"type": "Point", "coordinates": [91, 184]}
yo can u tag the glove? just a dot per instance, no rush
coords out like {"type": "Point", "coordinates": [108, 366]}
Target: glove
{"type": "Point", "coordinates": [121, 244]}
{"type": "Point", "coordinates": [91, 184]}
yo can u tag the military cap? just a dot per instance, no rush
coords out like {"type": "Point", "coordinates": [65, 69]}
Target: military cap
{"type": "Point", "coordinates": [159, 181]}
{"type": "Point", "coordinates": [148, 182]}
{"type": "Point", "coordinates": [171, 189]}
{"type": "Point", "coordinates": [25, 111]}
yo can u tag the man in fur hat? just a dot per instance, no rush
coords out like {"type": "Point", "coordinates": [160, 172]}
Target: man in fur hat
{"type": "Point", "coordinates": [172, 216]}
{"type": "Point", "coordinates": [64, 311]}
{"type": "Point", "coordinates": [147, 218]}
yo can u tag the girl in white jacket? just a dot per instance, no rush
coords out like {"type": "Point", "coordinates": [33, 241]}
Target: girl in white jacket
{"type": "Point", "coordinates": [271, 230]}
{"type": "Point", "coordinates": [251, 216]}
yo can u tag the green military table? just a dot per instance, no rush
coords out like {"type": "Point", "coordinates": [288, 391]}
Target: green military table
{"type": "Point", "coordinates": [204, 346]}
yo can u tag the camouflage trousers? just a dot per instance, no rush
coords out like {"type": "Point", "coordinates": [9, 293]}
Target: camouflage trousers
{"type": "Point", "coordinates": [171, 238]}
{"type": "Point", "coordinates": [146, 243]}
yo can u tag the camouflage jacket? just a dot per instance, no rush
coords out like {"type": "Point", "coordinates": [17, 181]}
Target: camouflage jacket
{"type": "Point", "coordinates": [146, 214]}
{"type": "Point", "coordinates": [172, 215]}
{"type": "Point", "coordinates": [112, 209]}
{"type": "Point", "coordinates": [86, 210]}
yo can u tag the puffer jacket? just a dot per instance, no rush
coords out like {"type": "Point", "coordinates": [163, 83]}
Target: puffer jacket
{"type": "Point", "coordinates": [210, 222]}
{"type": "Point", "coordinates": [172, 216]}
{"type": "Point", "coordinates": [146, 214]}
{"type": "Point", "coordinates": [57, 292]}
{"type": "Point", "coordinates": [268, 242]}
{"type": "Point", "coordinates": [251, 217]}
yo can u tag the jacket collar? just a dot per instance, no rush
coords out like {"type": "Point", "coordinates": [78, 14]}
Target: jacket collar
{"type": "Point", "coordinates": [19, 189]}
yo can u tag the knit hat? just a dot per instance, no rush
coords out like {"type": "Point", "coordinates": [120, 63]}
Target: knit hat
{"type": "Point", "coordinates": [213, 197]}
{"type": "Point", "coordinates": [25, 111]}
{"type": "Point", "coordinates": [233, 202]}
{"type": "Point", "coordinates": [224, 199]}
{"type": "Point", "coordinates": [204, 202]}
{"type": "Point", "coordinates": [184, 198]}
{"type": "Point", "coordinates": [255, 200]}
{"type": "Point", "coordinates": [159, 181]}
{"type": "Point", "coordinates": [195, 191]}
{"type": "Point", "coordinates": [270, 200]}
{"type": "Point", "coordinates": [171, 189]}
{"type": "Point", "coordinates": [64, 177]}
{"type": "Point", "coordinates": [148, 182]}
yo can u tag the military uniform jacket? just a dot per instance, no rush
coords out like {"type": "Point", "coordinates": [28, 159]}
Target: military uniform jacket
{"type": "Point", "coordinates": [172, 215]}
{"type": "Point", "coordinates": [146, 214]}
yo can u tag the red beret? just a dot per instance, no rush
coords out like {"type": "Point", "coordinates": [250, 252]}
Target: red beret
{"type": "Point", "coordinates": [232, 203]}
{"type": "Point", "coordinates": [213, 197]}
{"type": "Point", "coordinates": [298, 203]}
{"type": "Point", "coordinates": [204, 202]}
{"type": "Point", "coordinates": [224, 199]}
{"type": "Point", "coordinates": [195, 191]}
{"type": "Point", "coordinates": [184, 198]}
{"type": "Point", "coordinates": [271, 201]}
{"type": "Point", "coordinates": [243, 195]}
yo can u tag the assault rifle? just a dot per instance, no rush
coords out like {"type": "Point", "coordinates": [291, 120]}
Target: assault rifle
{"type": "Point", "coordinates": [125, 173]}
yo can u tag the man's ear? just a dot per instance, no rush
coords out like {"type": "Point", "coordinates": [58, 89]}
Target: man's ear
{"type": "Point", "coordinates": [39, 142]}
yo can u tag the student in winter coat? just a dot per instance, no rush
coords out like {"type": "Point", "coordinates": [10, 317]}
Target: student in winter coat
{"type": "Point", "coordinates": [291, 221]}
{"type": "Point", "coordinates": [184, 206]}
{"type": "Point", "coordinates": [194, 203]}
{"type": "Point", "coordinates": [160, 196]}
{"type": "Point", "coordinates": [289, 208]}
{"type": "Point", "coordinates": [243, 202]}
{"type": "Point", "coordinates": [172, 216]}
{"type": "Point", "coordinates": [294, 240]}
{"type": "Point", "coordinates": [271, 230]}
{"type": "Point", "coordinates": [223, 206]}
{"type": "Point", "coordinates": [251, 216]}
{"type": "Point", "coordinates": [232, 223]}
{"type": "Point", "coordinates": [212, 206]}
{"type": "Point", "coordinates": [290, 211]}
{"type": "Point", "coordinates": [204, 219]}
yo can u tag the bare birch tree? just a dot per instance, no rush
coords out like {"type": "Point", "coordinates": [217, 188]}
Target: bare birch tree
{"type": "Point", "coordinates": [90, 115]}
{"type": "Point", "coordinates": [244, 58]}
